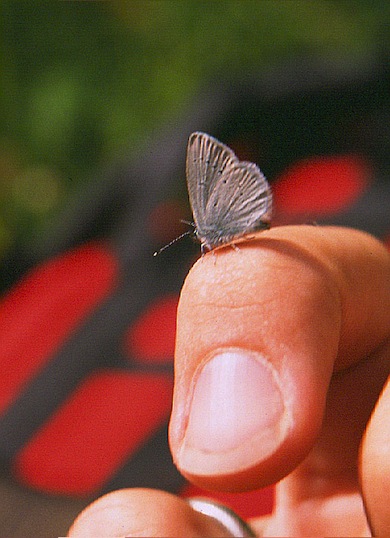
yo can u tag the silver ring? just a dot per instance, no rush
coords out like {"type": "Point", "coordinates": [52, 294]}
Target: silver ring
{"type": "Point", "coordinates": [228, 519]}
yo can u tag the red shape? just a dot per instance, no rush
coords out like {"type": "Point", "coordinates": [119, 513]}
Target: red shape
{"type": "Point", "coordinates": [246, 505]}
{"type": "Point", "coordinates": [104, 421]}
{"type": "Point", "coordinates": [44, 307]}
{"type": "Point", "coordinates": [152, 337]}
{"type": "Point", "coordinates": [321, 185]}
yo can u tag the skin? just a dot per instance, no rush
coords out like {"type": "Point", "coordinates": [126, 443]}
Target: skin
{"type": "Point", "coordinates": [311, 307]}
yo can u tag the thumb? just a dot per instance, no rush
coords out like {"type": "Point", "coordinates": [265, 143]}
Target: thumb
{"type": "Point", "coordinates": [260, 332]}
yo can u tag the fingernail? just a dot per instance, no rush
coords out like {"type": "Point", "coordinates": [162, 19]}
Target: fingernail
{"type": "Point", "coordinates": [237, 407]}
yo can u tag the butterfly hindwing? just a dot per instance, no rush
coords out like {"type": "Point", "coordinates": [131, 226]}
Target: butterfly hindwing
{"type": "Point", "coordinates": [240, 199]}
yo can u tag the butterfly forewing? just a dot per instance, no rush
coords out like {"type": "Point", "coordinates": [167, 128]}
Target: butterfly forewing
{"type": "Point", "coordinates": [207, 160]}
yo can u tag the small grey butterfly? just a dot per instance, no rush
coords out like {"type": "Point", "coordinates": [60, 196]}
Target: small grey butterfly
{"type": "Point", "coordinates": [229, 198]}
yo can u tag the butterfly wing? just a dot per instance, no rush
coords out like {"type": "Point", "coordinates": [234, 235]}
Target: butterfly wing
{"type": "Point", "coordinates": [228, 198]}
{"type": "Point", "coordinates": [207, 161]}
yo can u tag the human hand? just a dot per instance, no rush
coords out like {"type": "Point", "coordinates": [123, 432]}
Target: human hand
{"type": "Point", "coordinates": [281, 355]}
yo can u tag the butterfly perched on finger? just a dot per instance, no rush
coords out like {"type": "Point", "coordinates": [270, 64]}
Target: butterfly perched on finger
{"type": "Point", "coordinates": [229, 198]}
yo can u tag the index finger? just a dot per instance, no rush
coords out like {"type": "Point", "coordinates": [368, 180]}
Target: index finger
{"type": "Point", "coordinates": [260, 332]}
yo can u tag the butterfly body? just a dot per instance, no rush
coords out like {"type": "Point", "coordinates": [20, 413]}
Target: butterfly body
{"type": "Point", "coordinates": [229, 198]}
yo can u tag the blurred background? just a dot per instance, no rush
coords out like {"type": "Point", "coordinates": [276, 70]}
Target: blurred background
{"type": "Point", "coordinates": [88, 83]}
{"type": "Point", "coordinates": [98, 101]}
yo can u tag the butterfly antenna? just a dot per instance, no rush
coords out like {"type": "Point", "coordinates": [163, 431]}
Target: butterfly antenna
{"type": "Point", "coordinates": [188, 232]}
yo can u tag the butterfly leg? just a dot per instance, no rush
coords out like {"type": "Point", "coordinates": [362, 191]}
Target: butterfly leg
{"type": "Point", "coordinates": [203, 249]}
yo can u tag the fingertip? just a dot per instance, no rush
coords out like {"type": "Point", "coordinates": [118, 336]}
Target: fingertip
{"type": "Point", "coordinates": [142, 512]}
{"type": "Point", "coordinates": [375, 466]}
{"type": "Point", "coordinates": [238, 418]}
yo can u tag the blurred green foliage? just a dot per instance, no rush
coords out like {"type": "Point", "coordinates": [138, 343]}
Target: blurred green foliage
{"type": "Point", "coordinates": [84, 81]}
